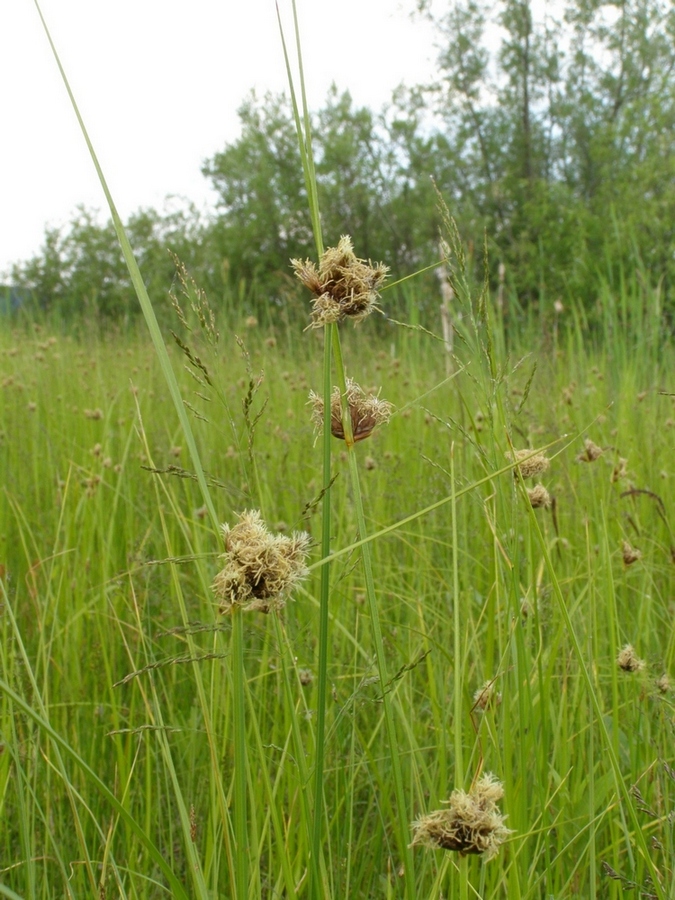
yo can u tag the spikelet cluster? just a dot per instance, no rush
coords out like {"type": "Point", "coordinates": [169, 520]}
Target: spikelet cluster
{"type": "Point", "coordinates": [629, 553]}
{"type": "Point", "coordinates": [629, 661]}
{"type": "Point", "coordinates": [487, 697]}
{"type": "Point", "coordinates": [539, 497]}
{"type": "Point", "coordinates": [344, 286]}
{"type": "Point", "coordinates": [260, 568]}
{"type": "Point", "coordinates": [472, 822]}
{"type": "Point", "coordinates": [530, 462]}
{"type": "Point", "coordinates": [590, 453]}
{"type": "Point", "coordinates": [365, 410]}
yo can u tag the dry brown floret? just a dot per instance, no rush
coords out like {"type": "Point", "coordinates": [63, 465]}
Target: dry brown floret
{"type": "Point", "coordinates": [530, 462]}
{"type": "Point", "coordinates": [591, 452]}
{"type": "Point", "coordinates": [630, 554]}
{"type": "Point", "coordinates": [472, 822]}
{"type": "Point", "coordinates": [261, 568]}
{"type": "Point", "coordinates": [344, 286]}
{"type": "Point", "coordinates": [365, 410]}
{"type": "Point", "coordinates": [629, 661]}
{"type": "Point", "coordinates": [539, 497]}
{"type": "Point", "coordinates": [487, 697]}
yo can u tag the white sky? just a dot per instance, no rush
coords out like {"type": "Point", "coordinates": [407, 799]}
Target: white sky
{"type": "Point", "coordinates": [158, 83]}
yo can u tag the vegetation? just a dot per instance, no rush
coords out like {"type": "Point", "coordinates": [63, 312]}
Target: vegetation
{"type": "Point", "coordinates": [292, 608]}
{"type": "Point", "coordinates": [111, 636]}
{"type": "Point", "coordinates": [556, 141]}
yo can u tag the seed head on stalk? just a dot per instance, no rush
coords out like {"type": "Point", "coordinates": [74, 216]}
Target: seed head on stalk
{"type": "Point", "coordinates": [472, 823]}
{"type": "Point", "coordinates": [344, 286]}
{"type": "Point", "coordinates": [365, 410]}
{"type": "Point", "coordinates": [261, 568]}
{"type": "Point", "coordinates": [530, 462]}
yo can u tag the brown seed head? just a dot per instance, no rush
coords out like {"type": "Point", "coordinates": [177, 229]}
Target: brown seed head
{"type": "Point", "coordinates": [663, 684]}
{"type": "Point", "coordinates": [530, 462]}
{"type": "Point", "coordinates": [539, 497]}
{"type": "Point", "coordinates": [487, 697]}
{"type": "Point", "coordinates": [620, 470]}
{"type": "Point", "coordinates": [344, 286]}
{"type": "Point", "coordinates": [591, 452]}
{"type": "Point", "coordinates": [472, 822]}
{"type": "Point", "coordinates": [365, 410]}
{"type": "Point", "coordinates": [261, 568]}
{"type": "Point", "coordinates": [629, 554]}
{"type": "Point", "coordinates": [629, 661]}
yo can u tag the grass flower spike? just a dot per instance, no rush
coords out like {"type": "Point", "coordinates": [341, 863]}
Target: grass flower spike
{"type": "Point", "coordinates": [261, 568]}
{"type": "Point", "coordinates": [472, 822]}
{"type": "Point", "coordinates": [344, 286]}
{"type": "Point", "coordinates": [366, 411]}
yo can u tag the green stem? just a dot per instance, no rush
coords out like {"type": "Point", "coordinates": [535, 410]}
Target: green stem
{"type": "Point", "coordinates": [240, 787]}
{"type": "Point", "coordinates": [317, 829]}
{"type": "Point", "coordinates": [403, 819]}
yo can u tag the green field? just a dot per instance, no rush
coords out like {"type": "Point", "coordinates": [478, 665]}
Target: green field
{"type": "Point", "coordinates": [119, 675]}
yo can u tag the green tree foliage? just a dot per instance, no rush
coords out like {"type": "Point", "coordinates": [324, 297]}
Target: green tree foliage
{"type": "Point", "coordinates": [552, 134]}
{"type": "Point", "coordinates": [563, 137]}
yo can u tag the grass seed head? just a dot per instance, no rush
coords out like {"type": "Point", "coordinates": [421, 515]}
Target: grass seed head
{"type": "Point", "coordinates": [629, 661]}
{"type": "Point", "coordinates": [630, 554]}
{"type": "Point", "coordinates": [365, 410]}
{"type": "Point", "coordinates": [539, 497]}
{"type": "Point", "coordinates": [663, 684]}
{"type": "Point", "coordinates": [344, 286]}
{"type": "Point", "coordinates": [487, 697]}
{"type": "Point", "coordinates": [261, 568]}
{"type": "Point", "coordinates": [620, 470]}
{"type": "Point", "coordinates": [472, 822]}
{"type": "Point", "coordinates": [591, 452]}
{"type": "Point", "coordinates": [530, 467]}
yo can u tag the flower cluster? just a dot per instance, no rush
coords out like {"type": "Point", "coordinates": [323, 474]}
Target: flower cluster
{"type": "Point", "coordinates": [472, 822]}
{"type": "Point", "coordinates": [365, 410]}
{"type": "Point", "coordinates": [261, 568]}
{"type": "Point", "coordinates": [344, 286]}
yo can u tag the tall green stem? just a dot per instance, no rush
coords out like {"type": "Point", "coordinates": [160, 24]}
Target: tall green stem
{"type": "Point", "coordinates": [402, 812]}
{"type": "Point", "coordinates": [322, 687]}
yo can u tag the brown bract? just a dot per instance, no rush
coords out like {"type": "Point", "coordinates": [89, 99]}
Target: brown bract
{"type": "Point", "coordinates": [365, 410]}
{"type": "Point", "coordinates": [344, 286]}
{"type": "Point", "coordinates": [472, 822]}
{"type": "Point", "coordinates": [261, 568]}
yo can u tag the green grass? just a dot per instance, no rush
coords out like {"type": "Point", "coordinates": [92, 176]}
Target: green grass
{"type": "Point", "coordinates": [87, 601]}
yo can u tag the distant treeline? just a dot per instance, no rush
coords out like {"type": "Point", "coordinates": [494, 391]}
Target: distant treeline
{"type": "Point", "coordinates": [557, 144]}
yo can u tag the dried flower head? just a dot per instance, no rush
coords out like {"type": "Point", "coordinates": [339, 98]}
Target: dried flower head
{"type": "Point", "coordinates": [663, 684]}
{"type": "Point", "coordinates": [344, 286]}
{"type": "Point", "coordinates": [620, 470]}
{"type": "Point", "coordinates": [539, 497]}
{"type": "Point", "coordinates": [629, 661]}
{"type": "Point", "coordinates": [530, 462]}
{"type": "Point", "coordinates": [261, 568]}
{"type": "Point", "coordinates": [630, 554]}
{"type": "Point", "coordinates": [365, 410]}
{"type": "Point", "coordinates": [487, 697]}
{"type": "Point", "coordinates": [472, 822]}
{"type": "Point", "coordinates": [591, 452]}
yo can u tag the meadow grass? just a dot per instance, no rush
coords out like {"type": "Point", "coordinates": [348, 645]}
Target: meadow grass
{"type": "Point", "coordinates": [115, 663]}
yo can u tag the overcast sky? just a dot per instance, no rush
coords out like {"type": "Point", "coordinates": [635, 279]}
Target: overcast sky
{"type": "Point", "coordinates": [159, 83]}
